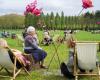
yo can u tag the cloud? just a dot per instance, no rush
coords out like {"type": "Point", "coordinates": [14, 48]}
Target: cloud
{"type": "Point", "coordinates": [69, 7]}
{"type": "Point", "coordinates": [1, 2]}
{"type": "Point", "coordinates": [12, 6]}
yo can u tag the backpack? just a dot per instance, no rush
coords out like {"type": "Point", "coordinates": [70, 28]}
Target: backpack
{"type": "Point", "coordinates": [65, 71]}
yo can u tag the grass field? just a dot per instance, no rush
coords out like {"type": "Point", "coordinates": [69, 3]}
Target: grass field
{"type": "Point", "coordinates": [54, 71]}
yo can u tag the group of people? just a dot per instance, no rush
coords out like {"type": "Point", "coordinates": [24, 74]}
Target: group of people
{"type": "Point", "coordinates": [32, 47]}
{"type": "Point", "coordinates": [7, 34]}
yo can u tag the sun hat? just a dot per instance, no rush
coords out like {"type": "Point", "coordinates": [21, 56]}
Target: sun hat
{"type": "Point", "coordinates": [30, 29]}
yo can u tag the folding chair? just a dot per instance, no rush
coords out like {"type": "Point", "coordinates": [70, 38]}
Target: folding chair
{"type": "Point", "coordinates": [85, 59]}
{"type": "Point", "coordinates": [9, 61]}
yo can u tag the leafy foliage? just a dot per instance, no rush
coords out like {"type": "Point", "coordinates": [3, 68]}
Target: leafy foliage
{"type": "Point", "coordinates": [85, 21]}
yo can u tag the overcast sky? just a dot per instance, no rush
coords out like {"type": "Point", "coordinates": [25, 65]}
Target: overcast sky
{"type": "Point", "coordinates": [69, 7]}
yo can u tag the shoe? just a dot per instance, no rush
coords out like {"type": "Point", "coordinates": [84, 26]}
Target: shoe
{"type": "Point", "coordinates": [44, 67]}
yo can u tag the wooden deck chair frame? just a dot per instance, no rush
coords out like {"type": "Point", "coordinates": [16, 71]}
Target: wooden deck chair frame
{"type": "Point", "coordinates": [76, 70]}
{"type": "Point", "coordinates": [15, 70]}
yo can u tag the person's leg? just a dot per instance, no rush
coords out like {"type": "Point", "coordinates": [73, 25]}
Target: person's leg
{"type": "Point", "coordinates": [34, 55]}
{"type": "Point", "coordinates": [42, 64]}
{"type": "Point", "coordinates": [43, 54]}
{"type": "Point", "coordinates": [39, 56]}
{"type": "Point", "coordinates": [65, 71]}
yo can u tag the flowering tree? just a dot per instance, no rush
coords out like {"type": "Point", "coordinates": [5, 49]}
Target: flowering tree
{"type": "Point", "coordinates": [32, 8]}
{"type": "Point", "coordinates": [33, 14]}
{"type": "Point", "coordinates": [87, 4]}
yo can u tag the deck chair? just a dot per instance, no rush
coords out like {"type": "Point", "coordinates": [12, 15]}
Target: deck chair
{"type": "Point", "coordinates": [10, 62]}
{"type": "Point", "coordinates": [85, 59]}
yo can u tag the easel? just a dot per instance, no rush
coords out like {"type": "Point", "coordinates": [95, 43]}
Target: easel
{"type": "Point", "coordinates": [54, 54]}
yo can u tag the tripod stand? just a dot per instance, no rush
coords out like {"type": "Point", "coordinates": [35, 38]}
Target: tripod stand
{"type": "Point", "coordinates": [54, 54]}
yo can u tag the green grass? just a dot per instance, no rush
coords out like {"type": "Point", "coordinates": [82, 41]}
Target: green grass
{"type": "Point", "coordinates": [87, 36]}
{"type": "Point", "coordinates": [54, 71]}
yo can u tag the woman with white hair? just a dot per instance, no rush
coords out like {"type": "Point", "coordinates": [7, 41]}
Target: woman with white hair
{"type": "Point", "coordinates": [31, 46]}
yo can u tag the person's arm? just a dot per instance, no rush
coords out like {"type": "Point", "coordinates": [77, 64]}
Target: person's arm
{"type": "Point", "coordinates": [32, 43]}
{"type": "Point", "coordinates": [70, 60]}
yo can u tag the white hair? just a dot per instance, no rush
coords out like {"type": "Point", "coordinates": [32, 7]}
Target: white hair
{"type": "Point", "coordinates": [30, 29]}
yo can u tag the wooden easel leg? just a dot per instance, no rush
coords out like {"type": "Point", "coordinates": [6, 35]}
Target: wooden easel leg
{"type": "Point", "coordinates": [27, 73]}
{"type": "Point", "coordinates": [76, 77]}
{"type": "Point", "coordinates": [1, 69]}
{"type": "Point", "coordinates": [14, 68]}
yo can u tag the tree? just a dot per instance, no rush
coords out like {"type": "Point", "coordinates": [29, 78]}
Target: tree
{"type": "Point", "coordinates": [57, 21]}
{"type": "Point", "coordinates": [12, 21]}
{"type": "Point", "coordinates": [97, 14]}
{"type": "Point", "coordinates": [62, 20]}
{"type": "Point", "coordinates": [52, 20]}
{"type": "Point", "coordinates": [47, 21]}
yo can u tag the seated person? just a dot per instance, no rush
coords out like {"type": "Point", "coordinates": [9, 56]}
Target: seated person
{"type": "Point", "coordinates": [67, 70]}
{"type": "Point", "coordinates": [47, 39]}
{"type": "Point", "coordinates": [68, 35]}
{"type": "Point", "coordinates": [17, 53]}
{"type": "Point", "coordinates": [24, 33]}
{"type": "Point", "coordinates": [31, 47]}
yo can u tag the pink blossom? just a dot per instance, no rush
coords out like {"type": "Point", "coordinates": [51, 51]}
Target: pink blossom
{"type": "Point", "coordinates": [87, 4]}
{"type": "Point", "coordinates": [32, 8]}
